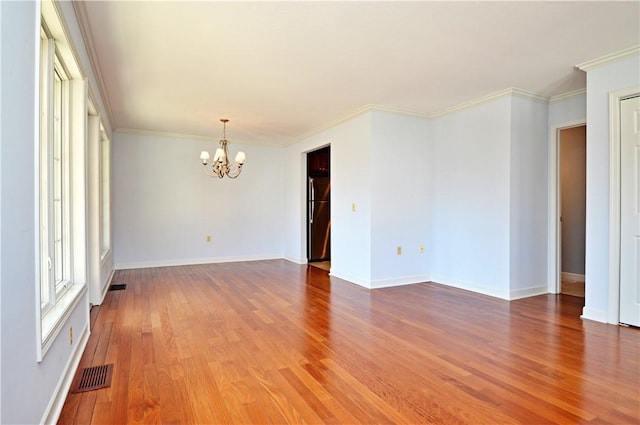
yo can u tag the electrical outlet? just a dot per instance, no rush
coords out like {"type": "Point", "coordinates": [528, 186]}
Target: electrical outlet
{"type": "Point", "coordinates": [208, 238]}
{"type": "Point", "coordinates": [421, 249]}
{"type": "Point", "coordinates": [71, 335]}
{"type": "Point", "coordinates": [399, 250]}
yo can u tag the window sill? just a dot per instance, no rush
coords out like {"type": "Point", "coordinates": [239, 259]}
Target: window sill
{"type": "Point", "coordinates": [54, 319]}
{"type": "Point", "coordinates": [104, 255]}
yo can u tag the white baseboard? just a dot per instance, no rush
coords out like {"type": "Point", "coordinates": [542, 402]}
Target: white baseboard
{"type": "Point", "coordinates": [572, 276]}
{"type": "Point", "coordinates": [365, 283]}
{"type": "Point", "coordinates": [593, 314]}
{"type": "Point", "coordinates": [528, 292]}
{"type": "Point", "coordinates": [53, 410]}
{"type": "Point", "coordinates": [398, 281]}
{"type": "Point", "coordinates": [105, 288]}
{"type": "Point", "coordinates": [193, 261]}
{"type": "Point", "coordinates": [473, 287]}
{"type": "Point", "coordinates": [296, 260]}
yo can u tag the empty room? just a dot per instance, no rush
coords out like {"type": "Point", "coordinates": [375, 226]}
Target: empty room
{"type": "Point", "coordinates": [319, 212]}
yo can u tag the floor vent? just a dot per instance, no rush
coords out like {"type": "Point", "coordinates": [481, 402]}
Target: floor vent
{"type": "Point", "coordinates": [93, 378]}
{"type": "Point", "coordinates": [118, 287]}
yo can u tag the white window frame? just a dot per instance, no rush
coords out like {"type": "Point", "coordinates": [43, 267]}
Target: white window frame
{"type": "Point", "coordinates": [56, 236]}
{"type": "Point", "coordinates": [61, 264]}
{"type": "Point", "coordinates": [105, 194]}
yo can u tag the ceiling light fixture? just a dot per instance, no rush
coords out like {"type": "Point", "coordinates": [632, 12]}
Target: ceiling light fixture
{"type": "Point", "coordinates": [221, 165]}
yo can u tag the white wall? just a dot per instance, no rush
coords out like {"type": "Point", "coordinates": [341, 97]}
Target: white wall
{"type": "Point", "coordinates": [350, 183]}
{"type": "Point", "coordinates": [390, 193]}
{"type": "Point", "coordinates": [470, 218]}
{"type": "Point", "coordinates": [401, 169]}
{"type": "Point", "coordinates": [28, 388]}
{"type": "Point", "coordinates": [568, 111]}
{"type": "Point", "coordinates": [165, 206]}
{"type": "Point", "coordinates": [601, 81]}
{"type": "Point", "coordinates": [528, 197]}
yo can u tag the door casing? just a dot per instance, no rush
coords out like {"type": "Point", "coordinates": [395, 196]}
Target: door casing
{"type": "Point", "coordinates": [613, 314]}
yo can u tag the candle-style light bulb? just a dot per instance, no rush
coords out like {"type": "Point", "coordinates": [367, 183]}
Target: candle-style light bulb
{"type": "Point", "coordinates": [219, 155]}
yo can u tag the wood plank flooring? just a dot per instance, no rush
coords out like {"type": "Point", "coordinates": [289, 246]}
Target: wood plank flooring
{"type": "Point", "coordinates": [271, 342]}
{"type": "Point", "coordinates": [571, 287]}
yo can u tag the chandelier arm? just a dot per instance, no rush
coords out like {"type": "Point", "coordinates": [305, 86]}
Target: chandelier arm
{"type": "Point", "coordinates": [238, 170]}
{"type": "Point", "coordinates": [209, 171]}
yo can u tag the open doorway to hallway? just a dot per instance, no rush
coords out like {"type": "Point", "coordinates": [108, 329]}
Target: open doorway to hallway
{"type": "Point", "coordinates": [572, 199]}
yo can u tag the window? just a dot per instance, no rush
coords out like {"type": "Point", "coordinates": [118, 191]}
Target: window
{"type": "Point", "coordinates": [61, 185]}
{"type": "Point", "coordinates": [54, 179]}
{"type": "Point", "coordinates": [105, 194]}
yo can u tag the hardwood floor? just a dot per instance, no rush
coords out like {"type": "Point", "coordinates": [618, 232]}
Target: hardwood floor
{"type": "Point", "coordinates": [571, 287]}
{"type": "Point", "coordinates": [324, 265]}
{"type": "Point", "coordinates": [275, 342]}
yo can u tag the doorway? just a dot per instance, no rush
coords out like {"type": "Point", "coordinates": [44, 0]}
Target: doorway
{"type": "Point", "coordinates": [572, 209]}
{"type": "Point", "coordinates": [629, 211]}
{"type": "Point", "coordinates": [319, 208]}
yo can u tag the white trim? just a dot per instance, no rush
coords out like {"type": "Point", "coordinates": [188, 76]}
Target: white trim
{"type": "Point", "coordinates": [607, 59]}
{"type": "Point", "coordinates": [473, 287]}
{"type": "Point", "coordinates": [137, 132]}
{"type": "Point", "coordinates": [80, 11]}
{"type": "Point", "coordinates": [194, 261]}
{"type": "Point", "coordinates": [105, 288]}
{"type": "Point", "coordinates": [489, 98]}
{"type": "Point", "coordinates": [369, 108]}
{"type": "Point", "coordinates": [365, 283]}
{"type": "Point", "coordinates": [296, 260]}
{"type": "Point", "coordinates": [52, 412]}
{"type": "Point", "coordinates": [56, 318]}
{"type": "Point", "coordinates": [529, 95]}
{"type": "Point", "coordinates": [565, 96]}
{"type": "Point", "coordinates": [528, 292]}
{"type": "Point", "coordinates": [613, 314]}
{"type": "Point", "coordinates": [593, 314]}
{"type": "Point", "coordinates": [51, 15]}
{"type": "Point", "coordinates": [399, 281]}
{"type": "Point", "coordinates": [364, 109]}
{"type": "Point", "coordinates": [574, 277]}
{"type": "Point", "coordinates": [553, 233]}
{"type": "Point", "coordinates": [317, 130]}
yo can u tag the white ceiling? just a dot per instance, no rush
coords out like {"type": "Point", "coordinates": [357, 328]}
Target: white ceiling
{"type": "Point", "coordinates": [279, 70]}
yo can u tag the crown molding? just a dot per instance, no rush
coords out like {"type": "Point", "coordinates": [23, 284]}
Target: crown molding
{"type": "Point", "coordinates": [320, 129]}
{"type": "Point", "coordinates": [168, 135]}
{"type": "Point", "coordinates": [471, 103]}
{"type": "Point", "coordinates": [80, 11]}
{"type": "Point", "coordinates": [567, 95]}
{"type": "Point", "coordinates": [488, 98]}
{"type": "Point", "coordinates": [528, 95]}
{"type": "Point", "coordinates": [611, 57]}
{"type": "Point", "coordinates": [390, 110]}
{"type": "Point", "coordinates": [371, 107]}
{"type": "Point", "coordinates": [350, 116]}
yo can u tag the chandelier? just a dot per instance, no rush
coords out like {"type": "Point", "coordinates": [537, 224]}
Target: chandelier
{"type": "Point", "coordinates": [221, 165]}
